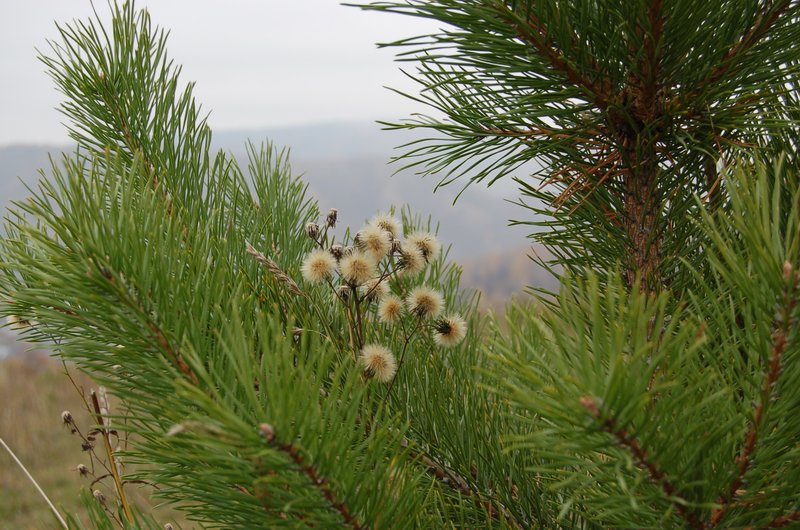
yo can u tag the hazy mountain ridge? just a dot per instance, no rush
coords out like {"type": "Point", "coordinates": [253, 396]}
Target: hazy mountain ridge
{"type": "Point", "coordinates": [346, 167]}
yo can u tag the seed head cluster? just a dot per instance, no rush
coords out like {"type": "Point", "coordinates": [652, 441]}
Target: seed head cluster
{"type": "Point", "coordinates": [375, 278]}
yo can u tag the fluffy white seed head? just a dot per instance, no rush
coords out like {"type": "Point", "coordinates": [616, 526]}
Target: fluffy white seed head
{"type": "Point", "coordinates": [375, 289]}
{"type": "Point", "coordinates": [390, 309]}
{"type": "Point", "coordinates": [424, 302]}
{"type": "Point", "coordinates": [378, 362]}
{"type": "Point", "coordinates": [318, 266]}
{"type": "Point", "coordinates": [449, 331]}
{"type": "Point", "coordinates": [411, 261]}
{"type": "Point", "coordinates": [427, 244]}
{"type": "Point", "coordinates": [388, 223]}
{"type": "Point", "coordinates": [357, 268]}
{"type": "Point", "coordinates": [375, 241]}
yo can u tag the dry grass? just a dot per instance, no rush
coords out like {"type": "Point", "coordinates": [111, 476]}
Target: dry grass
{"type": "Point", "coordinates": [33, 393]}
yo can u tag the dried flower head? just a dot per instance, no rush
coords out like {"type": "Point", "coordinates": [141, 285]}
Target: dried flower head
{"type": "Point", "coordinates": [337, 251]}
{"type": "Point", "coordinates": [375, 241]}
{"type": "Point", "coordinates": [357, 268]}
{"type": "Point", "coordinates": [82, 470]}
{"type": "Point", "coordinates": [449, 331]}
{"type": "Point", "coordinates": [411, 260]}
{"type": "Point", "coordinates": [66, 417]}
{"type": "Point", "coordinates": [333, 215]}
{"type": "Point", "coordinates": [168, 526]}
{"type": "Point", "coordinates": [424, 302]}
{"type": "Point", "coordinates": [312, 230]}
{"type": "Point", "coordinates": [388, 223]}
{"type": "Point", "coordinates": [378, 362]}
{"type": "Point", "coordinates": [318, 266]}
{"type": "Point", "coordinates": [343, 291]}
{"type": "Point", "coordinates": [375, 289]}
{"type": "Point", "coordinates": [427, 244]}
{"type": "Point", "coordinates": [390, 309]}
{"type": "Point", "coordinates": [99, 496]}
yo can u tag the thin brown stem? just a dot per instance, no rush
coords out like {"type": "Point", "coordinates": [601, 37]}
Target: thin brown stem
{"type": "Point", "coordinates": [268, 432]}
{"type": "Point", "coordinates": [780, 342]}
{"type": "Point", "coordinates": [643, 460]}
{"type": "Point", "coordinates": [112, 462]}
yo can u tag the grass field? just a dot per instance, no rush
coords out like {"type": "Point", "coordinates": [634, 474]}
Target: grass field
{"type": "Point", "coordinates": [33, 393]}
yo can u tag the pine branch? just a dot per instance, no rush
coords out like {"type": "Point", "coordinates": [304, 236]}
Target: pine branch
{"type": "Point", "coordinates": [763, 22]}
{"type": "Point", "coordinates": [455, 481]}
{"type": "Point", "coordinates": [642, 458]}
{"type": "Point", "coordinates": [539, 39]}
{"type": "Point", "coordinates": [268, 432]}
{"type": "Point", "coordinates": [783, 520]}
{"type": "Point", "coordinates": [781, 328]}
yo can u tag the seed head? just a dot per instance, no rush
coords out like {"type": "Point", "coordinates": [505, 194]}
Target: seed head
{"type": "Point", "coordinates": [390, 309]}
{"type": "Point", "coordinates": [337, 251]}
{"type": "Point", "coordinates": [378, 362]}
{"type": "Point", "coordinates": [333, 215]}
{"type": "Point", "coordinates": [318, 266]}
{"type": "Point", "coordinates": [357, 268]}
{"type": "Point", "coordinates": [66, 417]}
{"type": "Point", "coordinates": [424, 302]}
{"type": "Point", "coordinates": [374, 241]}
{"type": "Point", "coordinates": [411, 261]}
{"type": "Point", "coordinates": [427, 244]}
{"type": "Point", "coordinates": [344, 292]}
{"type": "Point", "coordinates": [449, 331]}
{"type": "Point", "coordinates": [388, 223]}
{"type": "Point", "coordinates": [312, 230]}
{"type": "Point", "coordinates": [82, 470]}
{"type": "Point", "coordinates": [375, 289]}
{"type": "Point", "coordinates": [99, 496]}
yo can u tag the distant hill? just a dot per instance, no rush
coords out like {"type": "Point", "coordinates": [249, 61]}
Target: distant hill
{"type": "Point", "coordinates": [346, 166]}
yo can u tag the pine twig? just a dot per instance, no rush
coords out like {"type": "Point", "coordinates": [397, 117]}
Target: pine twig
{"type": "Point", "coordinates": [268, 432]}
{"type": "Point", "coordinates": [779, 343]}
{"type": "Point", "coordinates": [642, 458]}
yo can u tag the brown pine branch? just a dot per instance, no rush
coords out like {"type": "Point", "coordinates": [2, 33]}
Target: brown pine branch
{"type": "Point", "coordinates": [455, 481]}
{"type": "Point", "coordinates": [643, 460]}
{"type": "Point", "coordinates": [763, 22]}
{"type": "Point", "coordinates": [535, 33]}
{"type": "Point", "coordinates": [268, 432]}
{"type": "Point", "coordinates": [780, 334]}
{"type": "Point", "coordinates": [783, 520]}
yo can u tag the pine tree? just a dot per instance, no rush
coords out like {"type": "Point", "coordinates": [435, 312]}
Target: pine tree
{"type": "Point", "coordinates": [277, 371]}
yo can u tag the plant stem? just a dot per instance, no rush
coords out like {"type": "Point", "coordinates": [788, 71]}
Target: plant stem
{"type": "Point", "coordinates": [111, 460]}
{"type": "Point", "coordinates": [36, 484]}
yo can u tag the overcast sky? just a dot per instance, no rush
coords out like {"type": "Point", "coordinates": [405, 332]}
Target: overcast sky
{"type": "Point", "coordinates": [257, 63]}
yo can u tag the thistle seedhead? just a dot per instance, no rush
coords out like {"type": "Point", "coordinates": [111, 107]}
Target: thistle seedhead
{"type": "Point", "coordinates": [318, 266]}
{"type": "Point", "coordinates": [82, 470]}
{"type": "Point", "coordinates": [390, 309]}
{"type": "Point", "coordinates": [427, 244]}
{"type": "Point", "coordinates": [357, 268]}
{"type": "Point", "coordinates": [449, 331]}
{"type": "Point", "coordinates": [333, 215]}
{"type": "Point", "coordinates": [378, 362]}
{"type": "Point", "coordinates": [388, 223]}
{"type": "Point", "coordinates": [424, 302]}
{"type": "Point", "coordinates": [66, 417]}
{"type": "Point", "coordinates": [337, 251]}
{"type": "Point", "coordinates": [374, 241]}
{"type": "Point", "coordinates": [312, 230]}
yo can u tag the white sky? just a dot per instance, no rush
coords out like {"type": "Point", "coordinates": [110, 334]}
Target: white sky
{"type": "Point", "coordinates": [257, 63]}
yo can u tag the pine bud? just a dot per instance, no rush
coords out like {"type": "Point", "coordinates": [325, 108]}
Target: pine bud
{"type": "Point", "coordinates": [266, 430]}
{"type": "Point", "coordinates": [312, 230]}
{"type": "Point", "coordinates": [333, 215]}
{"type": "Point", "coordinates": [787, 271]}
